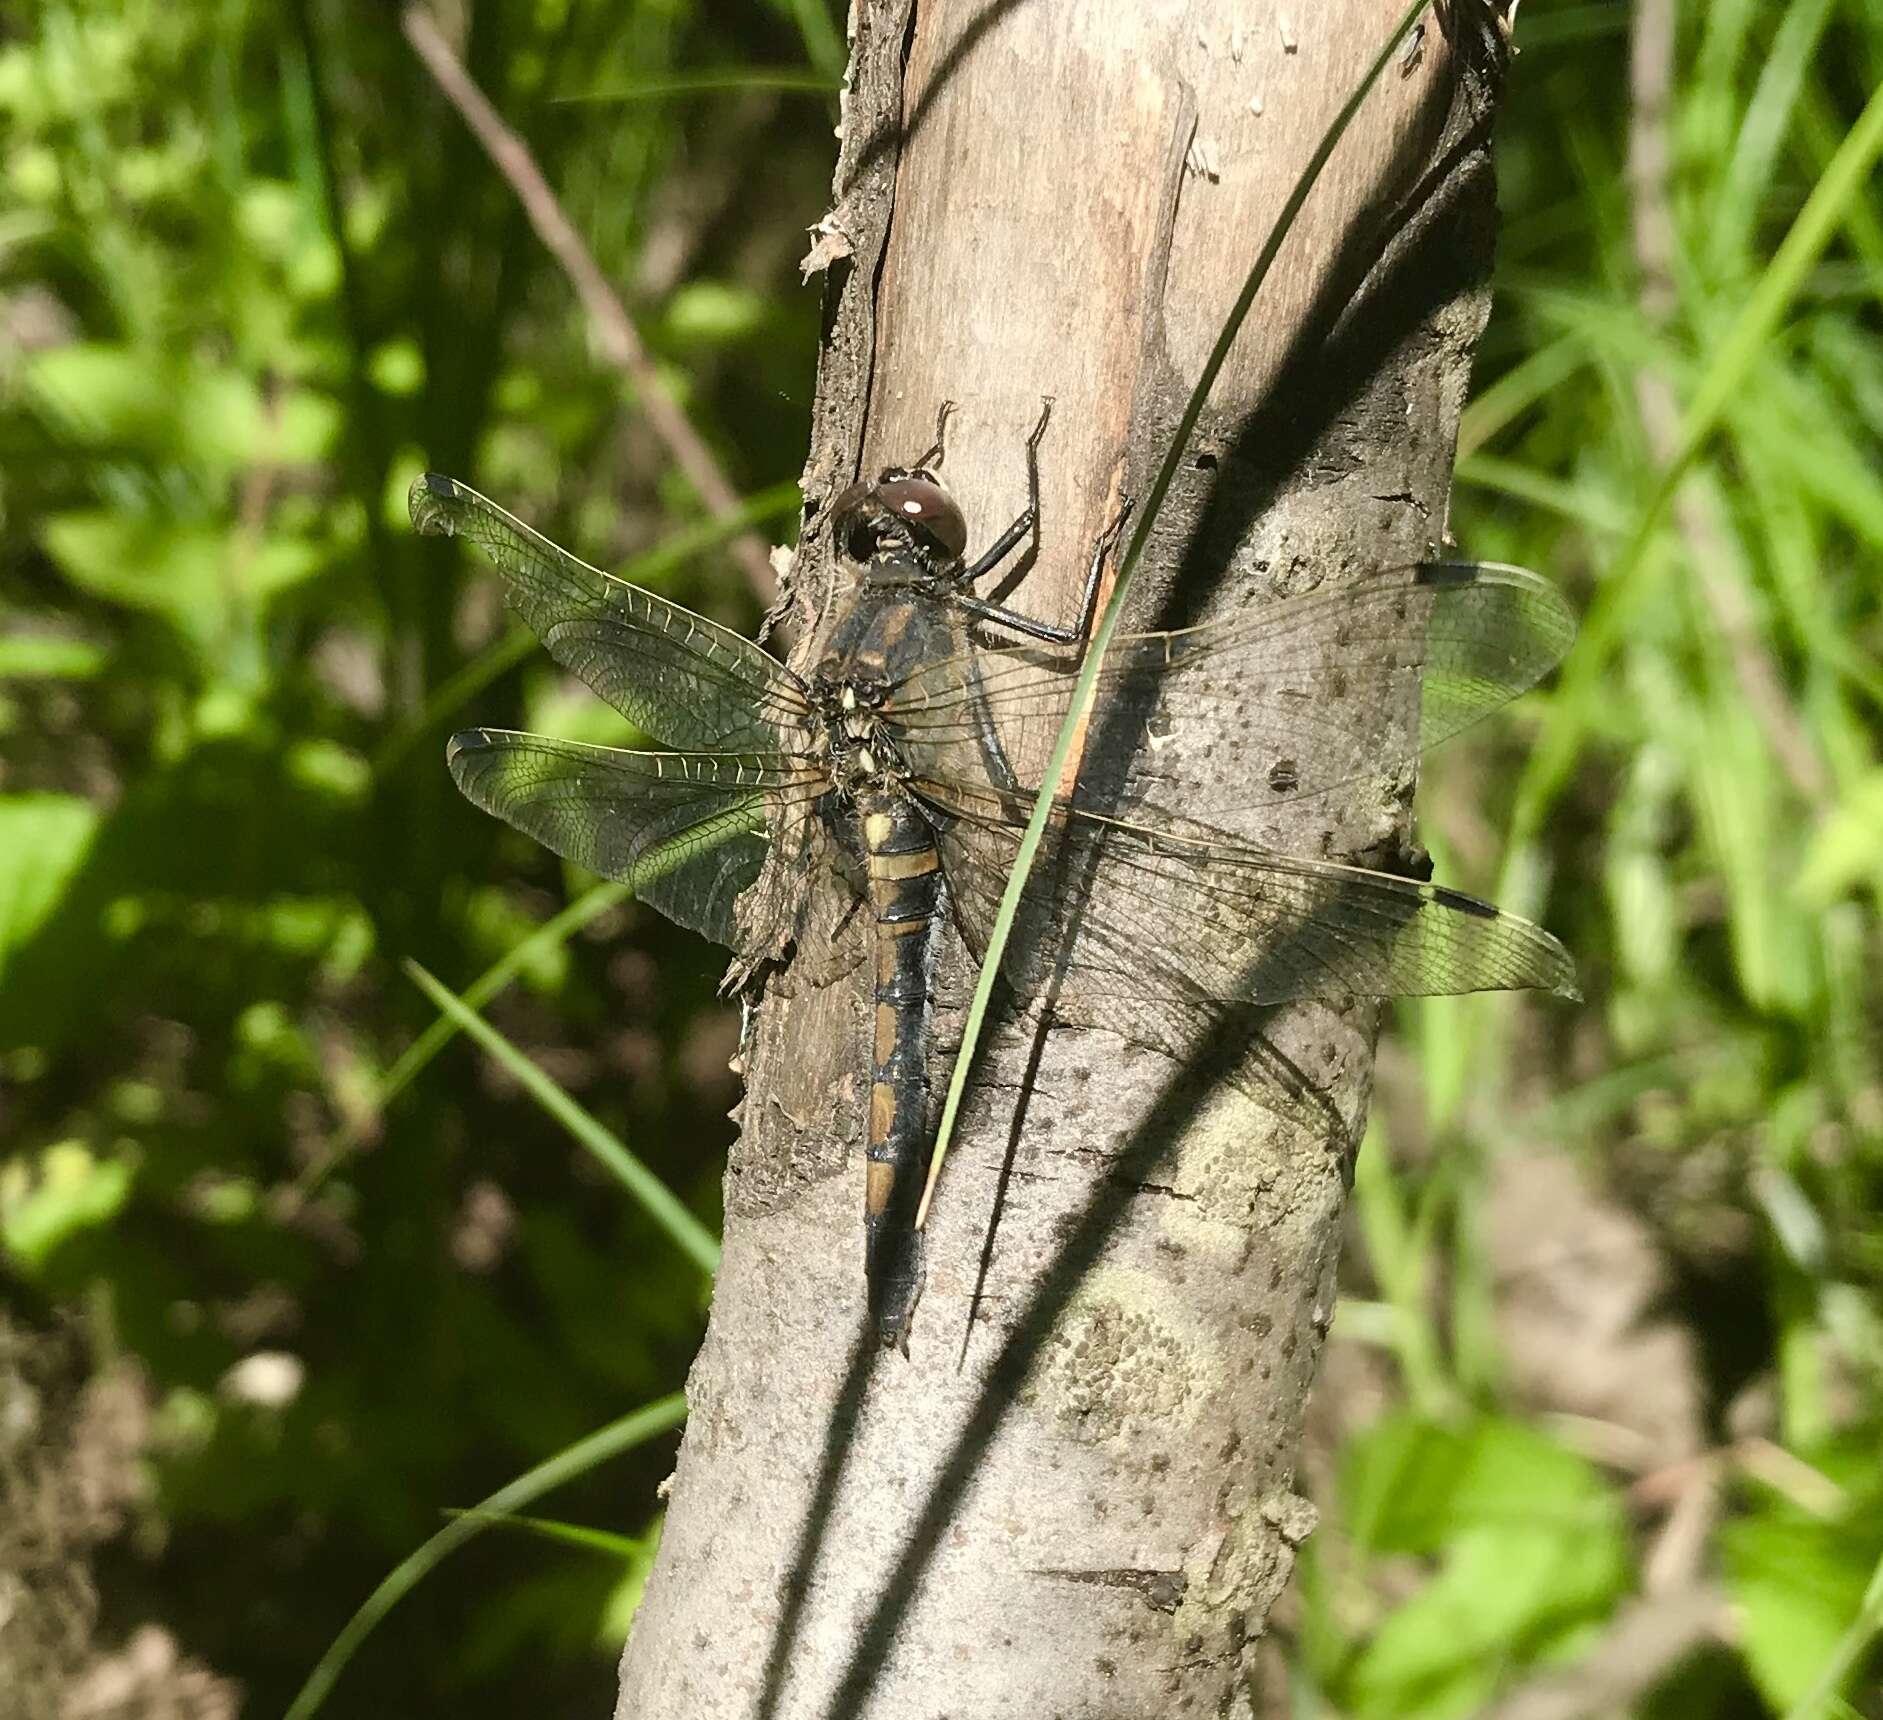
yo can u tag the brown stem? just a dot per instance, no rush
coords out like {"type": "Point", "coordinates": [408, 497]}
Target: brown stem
{"type": "Point", "coordinates": [1645, 1640]}
{"type": "Point", "coordinates": [620, 341]}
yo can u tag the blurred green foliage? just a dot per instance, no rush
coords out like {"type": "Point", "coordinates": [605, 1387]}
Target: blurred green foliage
{"type": "Point", "coordinates": [254, 275]}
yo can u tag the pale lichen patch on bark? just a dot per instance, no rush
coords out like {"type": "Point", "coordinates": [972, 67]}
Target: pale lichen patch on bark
{"type": "Point", "coordinates": [1235, 1575]}
{"type": "Point", "coordinates": [1123, 1358]}
{"type": "Point", "coordinates": [1226, 1163]}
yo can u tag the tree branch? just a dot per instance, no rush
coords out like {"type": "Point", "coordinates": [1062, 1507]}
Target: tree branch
{"type": "Point", "coordinates": [1093, 1509]}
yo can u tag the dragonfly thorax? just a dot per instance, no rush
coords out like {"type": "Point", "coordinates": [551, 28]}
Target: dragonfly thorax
{"type": "Point", "coordinates": [862, 749]}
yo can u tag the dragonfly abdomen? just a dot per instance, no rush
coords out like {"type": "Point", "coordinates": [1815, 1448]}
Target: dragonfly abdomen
{"type": "Point", "coordinates": [905, 880]}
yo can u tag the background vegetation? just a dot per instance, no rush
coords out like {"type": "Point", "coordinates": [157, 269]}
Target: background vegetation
{"type": "Point", "coordinates": [1613, 1348]}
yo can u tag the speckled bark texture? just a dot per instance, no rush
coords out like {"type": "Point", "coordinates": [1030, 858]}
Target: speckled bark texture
{"type": "Point", "coordinates": [1076, 1498]}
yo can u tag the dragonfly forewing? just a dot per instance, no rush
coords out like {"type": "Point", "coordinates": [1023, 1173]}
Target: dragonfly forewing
{"type": "Point", "coordinates": [899, 762]}
{"type": "Point", "coordinates": [682, 679]}
{"type": "Point", "coordinates": [1449, 641]}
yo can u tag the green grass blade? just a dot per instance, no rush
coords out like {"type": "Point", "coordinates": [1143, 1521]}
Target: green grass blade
{"type": "Point", "coordinates": [656, 1199]}
{"type": "Point", "coordinates": [823, 41]}
{"type": "Point", "coordinates": [591, 904]}
{"type": "Point", "coordinates": [1733, 215]}
{"type": "Point", "coordinates": [1847, 177]}
{"type": "Point", "coordinates": [1519, 390]}
{"type": "Point", "coordinates": [579, 1535]}
{"type": "Point", "coordinates": [1594, 512]}
{"type": "Point", "coordinates": [1114, 608]}
{"type": "Point", "coordinates": [712, 80]}
{"type": "Point", "coordinates": [1852, 1646]}
{"type": "Point", "coordinates": [633, 1429]}
{"type": "Point", "coordinates": [1579, 701]}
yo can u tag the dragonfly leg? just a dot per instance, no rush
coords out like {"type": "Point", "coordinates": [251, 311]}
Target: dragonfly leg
{"type": "Point", "coordinates": [1081, 629]}
{"type": "Point", "coordinates": [986, 735]}
{"type": "Point", "coordinates": [1029, 522]}
{"type": "Point", "coordinates": [933, 458]}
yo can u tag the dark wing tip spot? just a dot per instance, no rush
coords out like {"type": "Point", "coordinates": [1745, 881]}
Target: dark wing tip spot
{"type": "Point", "coordinates": [1446, 573]}
{"type": "Point", "coordinates": [430, 501]}
{"type": "Point", "coordinates": [466, 741]}
{"type": "Point", "coordinates": [1463, 903]}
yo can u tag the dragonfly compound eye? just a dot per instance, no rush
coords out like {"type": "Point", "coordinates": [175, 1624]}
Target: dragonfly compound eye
{"type": "Point", "coordinates": [920, 503]}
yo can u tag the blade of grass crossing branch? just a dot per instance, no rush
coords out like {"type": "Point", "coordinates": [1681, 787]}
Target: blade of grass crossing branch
{"type": "Point", "coordinates": [657, 1200]}
{"type": "Point", "coordinates": [635, 1428]}
{"type": "Point", "coordinates": [1108, 624]}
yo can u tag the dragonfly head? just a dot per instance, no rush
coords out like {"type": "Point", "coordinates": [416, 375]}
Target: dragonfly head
{"type": "Point", "coordinates": [906, 515]}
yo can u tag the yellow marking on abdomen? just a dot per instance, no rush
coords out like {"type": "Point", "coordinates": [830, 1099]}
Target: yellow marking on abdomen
{"type": "Point", "coordinates": [879, 1181]}
{"type": "Point", "coordinates": [918, 864]}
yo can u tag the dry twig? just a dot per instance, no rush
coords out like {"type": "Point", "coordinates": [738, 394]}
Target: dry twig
{"type": "Point", "coordinates": [1646, 1640]}
{"type": "Point", "coordinates": [615, 331]}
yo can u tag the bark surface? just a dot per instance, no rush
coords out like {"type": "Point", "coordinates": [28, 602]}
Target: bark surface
{"type": "Point", "coordinates": [1076, 1497]}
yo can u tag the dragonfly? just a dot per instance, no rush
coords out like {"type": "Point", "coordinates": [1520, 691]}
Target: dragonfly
{"type": "Point", "coordinates": [882, 776]}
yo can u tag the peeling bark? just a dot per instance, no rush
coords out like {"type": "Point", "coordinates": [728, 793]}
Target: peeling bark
{"type": "Point", "coordinates": [1077, 1498]}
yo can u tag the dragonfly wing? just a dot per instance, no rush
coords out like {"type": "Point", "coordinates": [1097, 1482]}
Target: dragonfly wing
{"type": "Point", "coordinates": [1177, 912]}
{"type": "Point", "coordinates": [687, 832]}
{"type": "Point", "coordinates": [1448, 640]}
{"type": "Point", "coordinates": [677, 676]}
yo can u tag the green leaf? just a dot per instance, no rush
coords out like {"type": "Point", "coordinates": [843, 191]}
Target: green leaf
{"type": "Point", "coordinates": [44, 839]}
{"type": "Point", "coordinates": [44, 657]}
{"type": "Point", "coordinates": [1504, 1600]}
{"type": "Point", "coordinates": [397, 367]}
{"type": "Point", "coordinates": [1845, 849]}
{"type": "Point", "coordinates": [1531, 1550]}
{"type": "Point", "coordinates": [191, 574]}
{"type": "Point", "coordinates": [74, 1190]}
{"type": "Point", "coordinates": [100, 395]}
{"type": "Point", "coordinates": [1408, 1485]}
{"type": "Point", "coordinates": [1797, 1583]}
{"type": "Point", "coordinates": [714, 313]}
{"type": "Point", "coordinates": [1852, 1647]}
